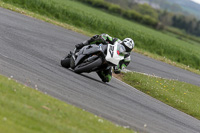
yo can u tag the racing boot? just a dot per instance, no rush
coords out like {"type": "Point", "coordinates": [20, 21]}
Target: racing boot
{"type": "Point", "coordinates": [105, 75]}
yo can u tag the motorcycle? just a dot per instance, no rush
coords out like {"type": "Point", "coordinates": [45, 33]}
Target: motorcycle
{"type": "Point", "coordinates": [94, 58]}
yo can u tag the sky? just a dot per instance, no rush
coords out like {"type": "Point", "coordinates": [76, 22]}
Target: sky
{"type": "Point", "coordinates": [197, 1]}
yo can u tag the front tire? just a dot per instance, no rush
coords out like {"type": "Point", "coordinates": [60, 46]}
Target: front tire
{"type": "Point", "coordinates": [65, 63]}
{"type": "Point", "coordinates": [88, 67]}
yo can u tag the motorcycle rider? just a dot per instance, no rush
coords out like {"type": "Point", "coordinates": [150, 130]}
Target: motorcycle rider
{"type": "Point", "coordinates": [128, 43]}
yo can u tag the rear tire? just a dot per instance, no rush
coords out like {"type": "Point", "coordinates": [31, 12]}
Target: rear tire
{"type": "Point", "coordinates": [88, 67]}
{"type": "Point", "coordinates": [65, 63]}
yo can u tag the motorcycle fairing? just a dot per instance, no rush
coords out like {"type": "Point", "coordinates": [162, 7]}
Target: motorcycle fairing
{"type": "Point", "coordinates": [113, 56]}
{"type": "Point", "coordinates": [87, 50]}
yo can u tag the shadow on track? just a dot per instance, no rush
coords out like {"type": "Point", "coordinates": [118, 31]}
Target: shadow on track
{"type": "Point", "coordinates": [97, 80]}
{"type": "Point", "coordinates": [83, 75]}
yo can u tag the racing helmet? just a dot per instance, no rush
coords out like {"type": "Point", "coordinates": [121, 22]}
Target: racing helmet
{"type": "Point", "coordinates": [128, 43]}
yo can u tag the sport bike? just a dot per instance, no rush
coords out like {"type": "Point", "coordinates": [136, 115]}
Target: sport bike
{"type": "Point", "coordinates": [94, 58]}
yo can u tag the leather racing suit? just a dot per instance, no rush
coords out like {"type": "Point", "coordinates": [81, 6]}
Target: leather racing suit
{"type": "Point", "coordinates": [106, 74]}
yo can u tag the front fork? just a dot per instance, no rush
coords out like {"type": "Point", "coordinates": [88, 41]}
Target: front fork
{"type": "Point", "coordinates": [72, 59]}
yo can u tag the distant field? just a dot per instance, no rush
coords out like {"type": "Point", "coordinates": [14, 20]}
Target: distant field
{"type": "Point", "coordinates": [97, 21]}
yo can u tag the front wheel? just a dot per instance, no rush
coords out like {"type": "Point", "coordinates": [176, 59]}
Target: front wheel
{"type": "Point", "coordinates": [65, 63]}
{"type": "Point", "coordinates": [88, 66]}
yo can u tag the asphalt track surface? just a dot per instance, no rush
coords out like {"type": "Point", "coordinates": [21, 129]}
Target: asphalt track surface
{"type": "Point", "coordinates": [30, 51]}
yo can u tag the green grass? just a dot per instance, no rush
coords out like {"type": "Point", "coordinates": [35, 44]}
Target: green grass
{"type": "Point", "coordinates": [25, 110]}
{"type": "Point", "coordinates": [180, 95]}
{"type": "Point", "coordinates": [97, 21]}
{"type": "Point", "coordinates": [182, 35]}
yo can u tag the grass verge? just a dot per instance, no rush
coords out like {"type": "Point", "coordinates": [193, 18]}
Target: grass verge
{"type": "Point", "coordinates": [180, 95]}
{"type": "Point", "coordinates": [96, 21]}
{"type": "Point", "coordinates": [25, 110]}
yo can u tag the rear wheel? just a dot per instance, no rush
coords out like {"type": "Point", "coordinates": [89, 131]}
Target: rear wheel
{"type": "Point", "coordinates": [88, 66]}
{"type": "Point", "coordinates": [65, 63]}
